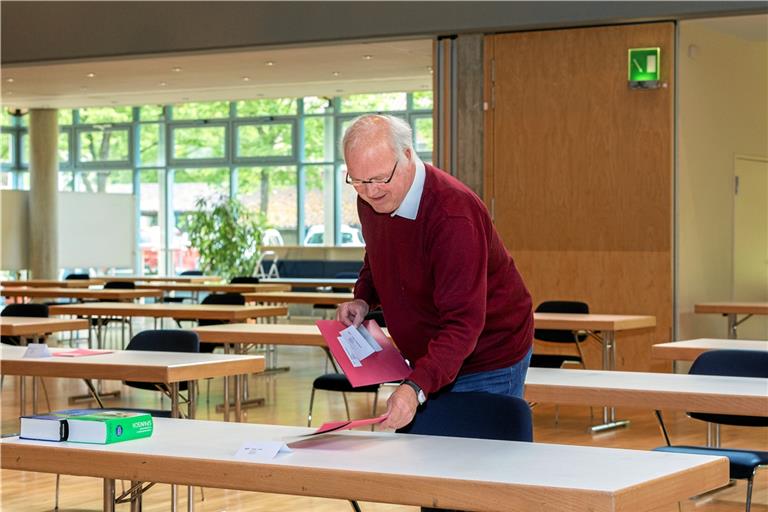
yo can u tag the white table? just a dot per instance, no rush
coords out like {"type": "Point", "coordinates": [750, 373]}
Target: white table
{"type": "Point", "coordinates": [682, 392]}
{"type": "Point", "coordinates": [732, 310]}
{"type": "Point", "coordinates": [689, 350]}
{"type": "Point", "coordinates": [468, 474]}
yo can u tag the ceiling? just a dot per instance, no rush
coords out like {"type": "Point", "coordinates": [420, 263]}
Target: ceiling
{"type": "Point", "coordinates": [330, 70]}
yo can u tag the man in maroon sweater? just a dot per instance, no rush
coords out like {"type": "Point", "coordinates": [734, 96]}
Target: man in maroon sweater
{"type": "Point", "coordinates": [453, 300]}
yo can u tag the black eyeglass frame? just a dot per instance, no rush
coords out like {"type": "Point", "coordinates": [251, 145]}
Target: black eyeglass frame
{"type": "Point", "coordinates": [372, 181]}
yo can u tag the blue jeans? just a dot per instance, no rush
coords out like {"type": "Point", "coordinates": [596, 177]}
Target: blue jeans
{"type": "Point", "coordinates": [504, 381]}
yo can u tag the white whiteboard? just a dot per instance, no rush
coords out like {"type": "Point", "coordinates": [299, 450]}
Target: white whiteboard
{"type": "Point", "coordinates": [95, 230]}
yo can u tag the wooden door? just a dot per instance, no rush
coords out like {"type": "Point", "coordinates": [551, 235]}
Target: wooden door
{"type": "Point", "coordinates": [579, 172]}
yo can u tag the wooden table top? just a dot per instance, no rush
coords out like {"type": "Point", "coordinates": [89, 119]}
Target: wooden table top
{"type": "Point", "coordinates": [135, 365]}
{"type": "Point", "coordinates": [691, 349]}
{"type": "Point", "coordinates": [268, 334]}
{"type": "Point", "coordinates": [30, 326]}
{"type": "Point", "coordinates": [308, 282]}
{"type": "Point", "coordinates": [387, 467]}
{"type": "Point", "coordinates": [682, 392]}
{"type": "Point", "coordinates": [299, 297]}
{"type": "Point", "coordinates": [53, 283]}
{"type": "Point", "coordinates": [739, 308]}
{"type": "Point", "coordinates": [79, 293]}
{"type": "Point", "coordinates": [216, 287]}
{"type": "Point", "coordinates": [593, 322]}
{"type": "Point", "coordinates": [180, 311]}
{"type": "Point", "coordinates": [166, 279]}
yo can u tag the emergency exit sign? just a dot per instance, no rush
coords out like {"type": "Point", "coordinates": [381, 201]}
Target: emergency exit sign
{"type": "Point", "coordinates": [644, 67]}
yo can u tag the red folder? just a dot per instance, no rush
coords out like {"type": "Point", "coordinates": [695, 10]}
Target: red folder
{"type": "Point", "coordinates": [385, 366]}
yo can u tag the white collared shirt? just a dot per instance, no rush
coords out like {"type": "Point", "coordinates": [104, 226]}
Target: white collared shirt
{"type": "Point", "coordinates": [409, 208]}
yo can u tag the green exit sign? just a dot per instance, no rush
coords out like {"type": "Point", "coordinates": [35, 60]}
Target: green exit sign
{"type": "Point", "coordinates": [644, 67]}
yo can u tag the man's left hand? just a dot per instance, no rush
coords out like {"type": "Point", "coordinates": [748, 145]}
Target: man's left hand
{"type": "Point", "coordinates": [401, 407]}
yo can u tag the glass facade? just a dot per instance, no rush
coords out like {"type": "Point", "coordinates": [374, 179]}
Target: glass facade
{"type": "Point", "coordinates": [280, 157]}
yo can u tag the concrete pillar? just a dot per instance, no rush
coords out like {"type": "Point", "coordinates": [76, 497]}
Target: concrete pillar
{"type": "Point", "coordinates": [43, 194]}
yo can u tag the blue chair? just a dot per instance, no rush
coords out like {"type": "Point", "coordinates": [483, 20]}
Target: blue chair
{"type": "Point", "coordinates": [729, 363]}
{"type": "Point", "coordinates": [475, 415]}
{"type": "Point", "coordinates": [77, 277]}
{"type": "Point", "coordinates": [163, 340]}
{"type": "Point", "coordinates": [232, 299]}
{"type": "Point", "coordinates": [244, 280]}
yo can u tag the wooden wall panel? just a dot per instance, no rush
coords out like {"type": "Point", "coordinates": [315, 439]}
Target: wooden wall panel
{"type": "Point", "coordinates": [582, 171]}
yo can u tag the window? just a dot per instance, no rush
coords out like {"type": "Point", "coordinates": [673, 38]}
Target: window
{"type": "Point", "coordinates": [267, 140]}
{"type": "Point", "coordinates": [199, 142]}
{"type": "Point", "coordinates": [279, 156]}
{"type": "Point", "coordinates": [103, 144]}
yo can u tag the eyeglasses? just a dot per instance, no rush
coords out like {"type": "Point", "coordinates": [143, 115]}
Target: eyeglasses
{"type": "Point", "coordinates": [372, 181]}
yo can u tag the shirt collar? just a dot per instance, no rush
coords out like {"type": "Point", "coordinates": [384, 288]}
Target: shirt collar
{"type": "Point", "coordinates": [409, 208]}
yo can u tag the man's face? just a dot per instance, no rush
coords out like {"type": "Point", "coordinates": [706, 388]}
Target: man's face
{"type": "Point", "coordinates": [378, 163]}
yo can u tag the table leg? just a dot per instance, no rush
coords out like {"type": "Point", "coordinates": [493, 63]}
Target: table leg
{"type": "Point", "coordinates": [609, 363]}
{"type": "Point", "coordinates": [732, 323]}
{"type": "Point", "coordinates": [226, 388]}
{"type": "Point", "coordinates": [136, 495]}
{"type": "Point", "coordinates": [174, 399]}
{"type": "Point", "coordinates": [34, 395]}
{"type": "Point", "coordinates": [174, 498]}
{"type": "Point", "coordinates": [22, 396]}
{"type": "Point", "coordinates": [238, 398]}
{"type": "Point", "coordinates": [109, 495]}
{"type": "Point", "coordinates": [192, 405]}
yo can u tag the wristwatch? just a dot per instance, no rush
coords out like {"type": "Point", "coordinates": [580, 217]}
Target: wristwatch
{"type": "Point", "coordinates": [420, 396]}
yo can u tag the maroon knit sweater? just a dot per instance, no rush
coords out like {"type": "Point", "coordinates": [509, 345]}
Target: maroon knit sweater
{"type": "Point", "coordinates": [453, 300]}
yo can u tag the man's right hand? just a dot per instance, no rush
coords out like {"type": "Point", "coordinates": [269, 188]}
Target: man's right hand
{"type": "Point", "coordinates": [352, 313]}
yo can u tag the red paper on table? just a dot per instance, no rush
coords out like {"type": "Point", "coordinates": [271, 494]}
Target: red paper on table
{"type": "Point", "coordinates": [79, 352]}
{"type": "Point", "coordinates": [384, 366]}
{"type": "Point", "coordinates": [333, 426]}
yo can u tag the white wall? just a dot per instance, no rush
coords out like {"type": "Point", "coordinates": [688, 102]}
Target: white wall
{"type": "Point", "coordinates": [722, 113]}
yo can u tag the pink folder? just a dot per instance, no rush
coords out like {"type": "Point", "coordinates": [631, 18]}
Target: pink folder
{"type": "Point", "coordinates": [79, 352]}
{"type": "Point", "coordinates": [334, 426]}
{"type": "Point", "coordinates": [385, 366]}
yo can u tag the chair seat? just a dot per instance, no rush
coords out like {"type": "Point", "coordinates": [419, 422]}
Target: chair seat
{"type": "Point", "coordinates": [551, 360]}
{"type": "Point", "coordinates": [151, 385]}
{"type": "Point", "coordinates": [339, 382]}
{"type": "Point", "coordinates": [742, 462]}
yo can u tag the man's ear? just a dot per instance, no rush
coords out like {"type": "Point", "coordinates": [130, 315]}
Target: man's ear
{"type": "Point", "coordinates": [408, 154]}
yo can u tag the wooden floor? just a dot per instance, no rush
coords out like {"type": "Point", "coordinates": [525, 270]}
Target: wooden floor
{"type": "Point", "coordinates": [287, 403]}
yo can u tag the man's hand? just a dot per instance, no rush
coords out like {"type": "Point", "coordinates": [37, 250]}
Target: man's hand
{"type": "Point", "coordinates": [352, 313]}
{"type": "Point", "coordinates": [401, 407]}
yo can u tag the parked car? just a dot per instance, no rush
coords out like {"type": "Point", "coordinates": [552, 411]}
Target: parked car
{"type": "Point", "coordinates": [349, 236]}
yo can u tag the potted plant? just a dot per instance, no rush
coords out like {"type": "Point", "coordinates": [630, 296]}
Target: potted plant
{"type": "Point", "coordinates": [227, 235]}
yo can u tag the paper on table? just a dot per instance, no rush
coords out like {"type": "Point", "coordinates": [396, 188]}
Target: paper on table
{"type": "Point", "coordinates": [36, 350]}
{"type": "Point", "coordinates": [79, 352]}
{"type": "Point", "coordinates": [261, 450]}
{"type": "Point", "coordinates": [334, 426]}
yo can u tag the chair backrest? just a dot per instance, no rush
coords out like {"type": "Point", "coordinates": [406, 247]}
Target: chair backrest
{"type": "Point", "coordinates": [344, 275]}
{"type": "Point", "coordinates": [244, 280]}
{"type": "Point", "coordinates": [31, 310]}
{"type": "Point", "coordinates": [192, 273]}
{"type": "Point", "coordinates": [77, 277]}
{"type": "Point", "coordinates": [231, 299]}
{"type": "Point", "coordinates": [560, 306]}
{"type": "Point", "coordinates": [731, 363]}
{"type": "Point", "coordinates": [474, 414]}
{"type": "Point", "coordinates": [165, 340]}
{"type": "Point", "coordinates": [119, 285]}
